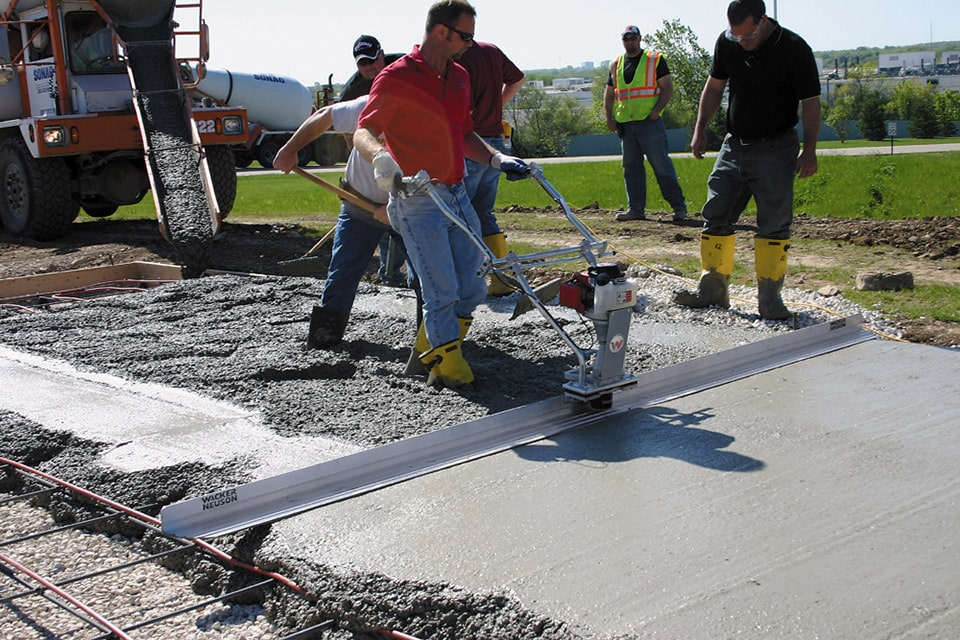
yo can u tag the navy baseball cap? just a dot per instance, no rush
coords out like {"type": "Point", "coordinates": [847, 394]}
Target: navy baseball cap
{"type": "Point", "coordinates": [630, 29]}
{"type": "Point", "coordinates": [366, 48]}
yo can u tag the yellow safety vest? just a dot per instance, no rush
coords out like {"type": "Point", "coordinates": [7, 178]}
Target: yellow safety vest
{"type": "Point", "coordinates": [636, 100]}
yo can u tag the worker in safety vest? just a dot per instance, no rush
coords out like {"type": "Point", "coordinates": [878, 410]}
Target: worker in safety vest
{"type": "Point", "coordinates": [638, 89]}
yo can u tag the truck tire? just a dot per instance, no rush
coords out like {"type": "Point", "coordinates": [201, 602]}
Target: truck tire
{"type": "Point", "coordinates": [223, 174]}
{"type": "Point", "coordinates": [328, 150]}
{"type": "Point", "coordinates": [35, 199]}
{"type": "Point", "coordinates": [100, 210]}
{"type": "Point", "coordinates": [304, 156]}
{"type": "Point", "coordinates": [243, 158]}
{"type": "Point", "coordinates": [266, 152]}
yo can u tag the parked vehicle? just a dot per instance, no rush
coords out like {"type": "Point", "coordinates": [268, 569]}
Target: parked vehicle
{"type": "Point", "coordinates": [93, 116]}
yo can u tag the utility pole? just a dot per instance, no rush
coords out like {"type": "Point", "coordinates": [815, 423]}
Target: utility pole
{"type": "Point", "coordinates": [774, 9]}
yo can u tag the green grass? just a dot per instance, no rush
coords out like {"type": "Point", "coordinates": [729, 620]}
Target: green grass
{"type": "Point", "coordinates": [937, 302]}
{"type": "Point", "coordinates": [898, 142]}
{"type": "Point", "coordinates": [898, 186]}
{"type": "Point", "coordinates": [887, 187]}
{"type": "Point", "coordinates": [268, 198]}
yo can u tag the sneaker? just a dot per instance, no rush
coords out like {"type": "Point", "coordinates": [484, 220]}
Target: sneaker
{"type": "Point", "coordinates": [679, 216]}
{"type": "Point", "coordinates": [631, 215]}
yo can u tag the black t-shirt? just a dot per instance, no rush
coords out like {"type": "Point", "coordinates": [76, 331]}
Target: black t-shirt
{"type": "Point", "coordinates": [358, 86]}
{"type": "Point", "coordinates": [767, 84]}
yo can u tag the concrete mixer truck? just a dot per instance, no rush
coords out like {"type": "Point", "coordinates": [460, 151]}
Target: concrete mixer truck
{"type": "Point", "coordinates": [94, 114]}
{"type": "Point", "coordinates": [276, 105]}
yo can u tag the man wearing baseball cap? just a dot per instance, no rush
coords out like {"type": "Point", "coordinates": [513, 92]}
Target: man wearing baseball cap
{"type": "Point", "coordinates": [371, 60]}
{"type": "Point", "coordinates": [638, 89]}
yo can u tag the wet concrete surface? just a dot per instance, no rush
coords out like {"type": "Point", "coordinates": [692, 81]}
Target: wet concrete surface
{"type": "Point", "coordinates": [789, 504]}
{"type": "Point", "coordinates": [813, 499]}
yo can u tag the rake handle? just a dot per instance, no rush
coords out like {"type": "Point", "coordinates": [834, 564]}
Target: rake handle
{"type": "Point", "coordinates": [343, 193]}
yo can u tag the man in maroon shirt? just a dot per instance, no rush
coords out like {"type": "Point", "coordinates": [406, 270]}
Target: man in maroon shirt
{"type": "Point", "coordinates": [420, 105]}
{"type": "Point", "coordinates": [494, 81]}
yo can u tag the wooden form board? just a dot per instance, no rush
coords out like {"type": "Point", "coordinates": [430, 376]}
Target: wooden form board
{"type": "Point", "coordinates": [49, 283]}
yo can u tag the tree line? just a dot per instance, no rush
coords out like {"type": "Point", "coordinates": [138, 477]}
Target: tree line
{"type": "Point", "coordinates": [870, 102]}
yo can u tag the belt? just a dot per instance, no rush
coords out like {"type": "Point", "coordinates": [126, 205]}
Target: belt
{"type": "Point", "coordinates": [346, 186]}
{"type": "Point", "coordinates": [746, 142]}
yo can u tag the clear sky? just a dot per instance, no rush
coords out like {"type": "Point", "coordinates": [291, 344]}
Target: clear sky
{"type": "Point", "coordinates": [310, 39]}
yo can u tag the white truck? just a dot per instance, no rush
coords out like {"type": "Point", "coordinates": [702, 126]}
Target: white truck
{"type": "Point", "coordinates": [276, 105]}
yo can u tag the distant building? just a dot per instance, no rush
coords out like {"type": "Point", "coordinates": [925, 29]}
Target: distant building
{"type": "Point", "coordinates": [949, 62]}
{"type": "Point", "coordinates": [569, 84]}
{"type": "Point", "coordinates": [907, 63]}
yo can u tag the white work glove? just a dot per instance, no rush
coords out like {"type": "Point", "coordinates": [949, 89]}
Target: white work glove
{"type": "Point", "coordinates": [515, 168]}
{"type": "Point", "coordinates": [385, 170]}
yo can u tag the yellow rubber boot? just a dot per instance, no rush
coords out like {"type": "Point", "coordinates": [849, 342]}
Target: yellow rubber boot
{"type": "Point", "coordinates": [446, 365]}
{"type": "Point", "coordinates": [771, 263]}
{"type": "Point", "coordinates": [464, 327]}
{"type": "Point", "coordinates": [716, 264]}
{"type": "Point", "coordinates": [420, 346]}
{"type": "Point", "coordinates": [497, 243]}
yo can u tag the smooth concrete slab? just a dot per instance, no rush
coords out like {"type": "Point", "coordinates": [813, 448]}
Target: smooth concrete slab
{"type": "Point", "coordinates": [821, 499]}
{"type": "Point", "coordinates": [150, 425]}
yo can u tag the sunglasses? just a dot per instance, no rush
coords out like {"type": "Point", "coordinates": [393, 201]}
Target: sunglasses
{"type": "Point", "coordinates": [466, 36]}
{"type": "Point", "coordinates": [753, 35]}
{"type": "Point", "coordinates": [630, 37]}
{"type": "Point", "coordinates": [365, 62]}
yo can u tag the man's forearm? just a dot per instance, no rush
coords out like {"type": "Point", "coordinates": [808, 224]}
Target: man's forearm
{"type": "Point", "coordinates": [476, 148]}
{"type": "Point", "coordinates": [367, 143]}
{"type": "Point", "coordinates": [608, 102]}
{"type": "Point", "coordinates": [810, 115]}
{"type": "Point", "coordinates": [709, 103]}
{"type": "Point", "coordinates": [510, 90]}
{"type": "Point", "coordinates": [312, 128]}
{"type": "Point", "coordinates": [666, 92]}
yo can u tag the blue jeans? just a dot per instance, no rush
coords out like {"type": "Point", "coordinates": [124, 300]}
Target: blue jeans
{"type": "Point", "coordinates": [354, 242]}
{"type": "Point", "coordinates": [446, 260]}
{"type": "Point", "coordinates": [649, 138]}
{"type": "Point", "coordinates": [481, 183]}
{"type": "Point", "coordinates": [765, 170]}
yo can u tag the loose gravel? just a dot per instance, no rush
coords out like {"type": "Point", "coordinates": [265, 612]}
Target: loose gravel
{"type": "Point", "coordinates": [241, 339]}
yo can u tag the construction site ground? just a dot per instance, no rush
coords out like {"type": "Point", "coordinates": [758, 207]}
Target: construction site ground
{"type": "Point", "coordinates": [927, 248]}
{"type": "Point", "coordinates": [817, 499]}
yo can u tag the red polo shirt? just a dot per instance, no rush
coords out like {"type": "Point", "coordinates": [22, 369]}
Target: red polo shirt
{"type": "Point", "coordinates": [422, 115]}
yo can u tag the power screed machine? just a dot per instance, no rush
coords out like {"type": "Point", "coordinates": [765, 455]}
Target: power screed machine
{"type": "Point", "coordinates": [602, 293]}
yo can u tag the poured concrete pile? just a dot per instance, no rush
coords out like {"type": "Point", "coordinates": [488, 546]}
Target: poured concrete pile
{"type": "Point", "coordinates": [239, 342]}
{"type": "Point", "coordinates": [172, 153]}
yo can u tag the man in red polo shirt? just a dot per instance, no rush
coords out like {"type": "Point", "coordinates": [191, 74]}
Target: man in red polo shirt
{"type": "Point", "coordinates": [420, 105]}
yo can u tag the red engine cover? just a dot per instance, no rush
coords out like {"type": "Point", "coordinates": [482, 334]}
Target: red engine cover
{"type": "Point", "coordinates": [577, 293]}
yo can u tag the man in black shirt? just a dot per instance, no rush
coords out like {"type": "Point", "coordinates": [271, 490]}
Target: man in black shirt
{"type": "Point", "coordinates": [370, 60]}
{"type": "Point", "coordinates": [771, 72]}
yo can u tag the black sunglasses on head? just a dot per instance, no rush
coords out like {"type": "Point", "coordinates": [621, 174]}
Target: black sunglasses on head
{"type": "Point", "coordinates": [464, 35]}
